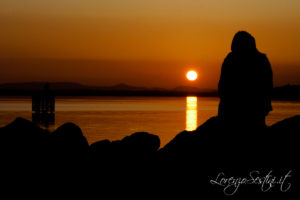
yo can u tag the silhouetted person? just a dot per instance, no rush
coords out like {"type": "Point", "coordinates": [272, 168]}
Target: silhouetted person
{"type": "Point", "coordinates": [245, 84]}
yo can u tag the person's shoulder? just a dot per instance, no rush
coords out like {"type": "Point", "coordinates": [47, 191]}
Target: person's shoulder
{"type": "Point", "coordinates": [262, 55]}
{"type": "Point", "coordinates": [263, 58]}
{"type": "Point", "coordinates": [229, 56]}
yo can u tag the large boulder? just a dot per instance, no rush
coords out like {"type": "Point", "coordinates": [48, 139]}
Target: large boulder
{"type": "Point", "coordinates": [199, 156]}
{"type": "Point", "coordinates": [128, 160]}
{"type": "Point", "coordinates": [190, 142]}
{"type": "Point", "coordinates": [101, 149]}
{"type": "Point", "coordinates": [287, 125]}
{"type": "Point", "coordinates": [23, 138]}
{"type": "Point", "coordinates": [283, 139]}
{"type": "Point", "coordinates": [140, 143]}
{"type": "Point", "coordinates": [216, 143]}
{"type": "Point", "coordinates": [68, 139]}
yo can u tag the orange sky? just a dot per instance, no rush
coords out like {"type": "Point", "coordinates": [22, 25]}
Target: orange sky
{"type": "Point", "coordinates": [141, 42]}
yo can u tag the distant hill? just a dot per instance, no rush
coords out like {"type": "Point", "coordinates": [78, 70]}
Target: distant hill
{"type": "Point", "coordinates": [68, 88]}
{"type": "Point", "coordinates": [191, 89]}
{"type": "Point", "coordinates": [56, 86]}
{"type": "Point", "coordinates": [122, 87]}
{"type": "Point", "coordinates": [288, 92]}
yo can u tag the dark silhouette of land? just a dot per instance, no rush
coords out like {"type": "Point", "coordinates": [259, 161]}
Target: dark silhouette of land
{"type": "Point", "coordinates": [75, 89]}
{"type": "Point", "coordinates": [136, 165]}
{"type": "Point", "coordinates": [288, 92]}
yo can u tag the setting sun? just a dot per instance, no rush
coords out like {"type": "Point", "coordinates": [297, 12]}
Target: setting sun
{"type": "Point", "coordinates": [191, 75]}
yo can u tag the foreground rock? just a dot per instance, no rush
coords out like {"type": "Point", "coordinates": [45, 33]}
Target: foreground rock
{"type": "Point", "coordinates": [68, 139]}
{"type": "Point", "coordinates": [140, 143]}
{"type": "Point", "coordinates": [185, 166]}
{"type": "Point", "coordinates": [214, 149]}
{"type": "Point", "coordinates": [23, 138]}
{"type": "Point", "coordinates": [214, 140]}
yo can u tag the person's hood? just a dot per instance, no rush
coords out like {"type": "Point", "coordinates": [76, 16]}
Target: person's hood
{"type": "Point", "coordinates": [243, 42]}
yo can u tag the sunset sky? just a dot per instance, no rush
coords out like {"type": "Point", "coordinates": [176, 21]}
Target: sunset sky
{"type": "Point", "coordinates": [150, 43]}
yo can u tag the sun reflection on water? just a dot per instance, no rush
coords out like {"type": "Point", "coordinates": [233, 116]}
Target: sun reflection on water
{"type": "Point", "coordinates": [191, 113]}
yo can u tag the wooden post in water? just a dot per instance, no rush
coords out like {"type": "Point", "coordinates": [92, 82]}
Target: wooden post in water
{"type": "Point", "coordinates": [43, 107]}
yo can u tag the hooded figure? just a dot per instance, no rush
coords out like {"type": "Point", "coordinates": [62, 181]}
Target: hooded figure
{"type": "Point", "coordinates": [245, 84]}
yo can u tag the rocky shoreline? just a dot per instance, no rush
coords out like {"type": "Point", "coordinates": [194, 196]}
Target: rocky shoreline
{"type": "Point", "coordinates": [187, 164]}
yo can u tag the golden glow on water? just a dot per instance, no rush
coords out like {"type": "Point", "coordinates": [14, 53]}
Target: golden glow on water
{"type": "Point", "coordinates": [114, 118]}
{"type": "Point", "coordinates": [191, 113]}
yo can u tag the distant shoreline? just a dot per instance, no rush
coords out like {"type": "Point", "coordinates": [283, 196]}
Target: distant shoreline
{"type": "Point", "coordinates": [70, 96]}
{"type": "Point", "coordinates": [106, 93]}
{"type": "Point", "coordinates": [287, 92]}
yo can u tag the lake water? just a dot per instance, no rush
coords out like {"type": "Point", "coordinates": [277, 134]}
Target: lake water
{"type": "Point", "coordinates": [116, 117]}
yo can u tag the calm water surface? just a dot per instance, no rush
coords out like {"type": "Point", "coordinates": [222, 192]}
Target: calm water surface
{"type": "Point", "coordinates": [116, 117]}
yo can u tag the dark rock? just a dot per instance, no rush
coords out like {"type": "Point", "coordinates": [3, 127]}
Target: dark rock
{"type": "Point", "coordinates": [188, 142]}
{"type": "Point", "coordinates": [200, 155]}
{"type": "Point", "coordinates": [215, 142]}
{"type": "Point", "coordinates": [290, 125]}
{"type": "Point", "coordinates": [186, 164]}
{"type": "Point", "coordinates": [68, 139]}
{"type": "Point", "coordinates": [102, 147]}
{"type": "Point", "coordinates": [23, 138]}
{"type": "Point", "coordinates": [140, 142]}
{"type": "Point", "coordinates": [181, 143]}
{"type": "Point", "coordinates": [284, 139]}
